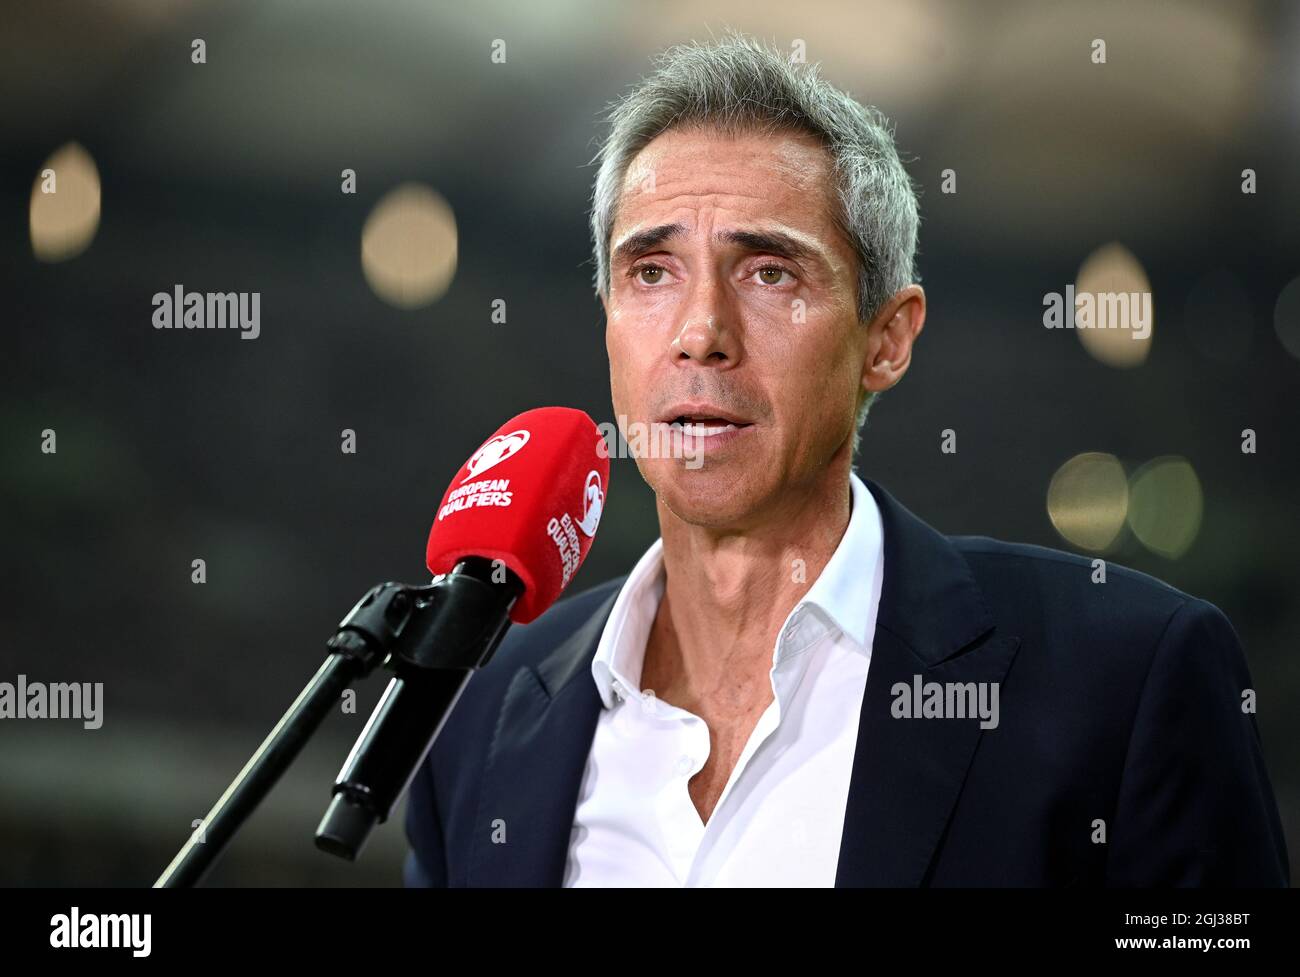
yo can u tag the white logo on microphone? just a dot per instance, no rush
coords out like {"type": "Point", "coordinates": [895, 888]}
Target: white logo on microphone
{"type": "Point", "coordinates": [593, 502]}
{"type": "Point", "coordinates": [494, 451]}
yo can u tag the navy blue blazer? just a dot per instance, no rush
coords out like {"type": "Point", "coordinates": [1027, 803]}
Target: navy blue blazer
{"type": "Point", "coordinates": [1122, 754]}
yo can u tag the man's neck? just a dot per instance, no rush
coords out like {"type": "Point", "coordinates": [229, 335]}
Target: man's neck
{"type": "Point", "coordinates": [728, 593]}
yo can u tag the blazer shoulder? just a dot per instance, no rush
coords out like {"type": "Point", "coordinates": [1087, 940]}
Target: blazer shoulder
{"type": "Point", "coordinates": [1099, 596]}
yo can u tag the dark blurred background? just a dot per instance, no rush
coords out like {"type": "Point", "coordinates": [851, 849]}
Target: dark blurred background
{"type": "Point", "coordinates": [177, 445]}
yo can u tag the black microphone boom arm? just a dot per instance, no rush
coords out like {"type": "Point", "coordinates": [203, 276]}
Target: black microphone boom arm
{"type": "Point", "coordinates": [458, 626]}
{"type": "Point", "coordinates": [434, 637]}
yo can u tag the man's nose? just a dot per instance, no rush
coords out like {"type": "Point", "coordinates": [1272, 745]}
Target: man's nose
{"type": "Point", "coordinates": [707, 334]}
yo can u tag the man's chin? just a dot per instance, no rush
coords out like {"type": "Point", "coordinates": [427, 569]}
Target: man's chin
{"type": "Point", "coordinates": [709, 498]}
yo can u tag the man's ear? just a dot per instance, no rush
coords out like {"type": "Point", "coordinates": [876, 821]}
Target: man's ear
{"type": "Point", "coordinates": [890, 336]}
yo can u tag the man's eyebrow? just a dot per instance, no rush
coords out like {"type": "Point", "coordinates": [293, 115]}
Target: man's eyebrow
{"type": "Point", "coordinates": [769, 242]}
{"type": "Point", "coordinates": [643, 241]}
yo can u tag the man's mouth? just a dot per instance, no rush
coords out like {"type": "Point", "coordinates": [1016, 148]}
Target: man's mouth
{"type": "Point", "coordinates": [706, 425]}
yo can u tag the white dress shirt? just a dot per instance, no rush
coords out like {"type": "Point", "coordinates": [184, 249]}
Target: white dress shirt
{"type": "Point", "coordinates": [780, 817]}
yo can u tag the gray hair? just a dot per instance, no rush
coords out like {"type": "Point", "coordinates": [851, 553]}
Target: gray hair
{"type": "Point", "coordinates": [741, 85]}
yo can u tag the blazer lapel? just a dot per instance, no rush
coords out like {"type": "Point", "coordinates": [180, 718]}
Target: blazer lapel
{"type": "Point", "coordinates": [907, 773]}
{"type": "Point", "coordinates": [535, 764]}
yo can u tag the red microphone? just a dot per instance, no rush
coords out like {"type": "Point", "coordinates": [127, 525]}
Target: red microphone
{"type": "Point", "coordinates": [528, 501]}
{"type": "Point", "coordinates": [530, 497]}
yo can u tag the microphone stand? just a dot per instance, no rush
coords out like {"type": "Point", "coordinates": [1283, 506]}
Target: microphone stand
{"type": "Point", "coordinates": [434, 637]}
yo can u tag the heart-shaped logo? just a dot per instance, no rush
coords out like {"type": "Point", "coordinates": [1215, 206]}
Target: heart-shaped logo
{"type": "Point", "coordinates": [494, 451]}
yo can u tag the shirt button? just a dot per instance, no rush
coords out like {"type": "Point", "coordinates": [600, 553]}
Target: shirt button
{"type": "Point", "coordinates": [684, 765]}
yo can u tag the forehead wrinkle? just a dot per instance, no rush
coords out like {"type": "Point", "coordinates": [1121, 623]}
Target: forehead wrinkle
{"type": "Point", "coordinates": [785, 158]}
{"type": "Point", "coordinates": [796, 177]}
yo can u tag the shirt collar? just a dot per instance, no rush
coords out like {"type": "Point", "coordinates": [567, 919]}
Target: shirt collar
{"type": "Point", "coordinates": [621, 650]}
{"type": "Point", "coordinates": [847, 591]}
{"type": "Point", "coordinates": [848, 588]}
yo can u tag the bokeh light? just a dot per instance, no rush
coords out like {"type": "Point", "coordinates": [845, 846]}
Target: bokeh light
{"type": "Point", "coordinates": [65, 204]}
{"type": "Point", "coordinates": [408, 246]}
{"type": "Point", "coordinates": [1165, 505]}
{"type": "Point", "coordinates": [1114, 338]}
{"type": "Point", "coordinates": [1087, 500]}
{"type": "Point", "coordinates": [1286, 317]}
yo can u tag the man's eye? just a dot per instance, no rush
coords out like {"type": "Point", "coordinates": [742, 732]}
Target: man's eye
{"type": "Point", "coordinates": [771, 275]}
{"type": "Point", "coordinates": [655, 273]}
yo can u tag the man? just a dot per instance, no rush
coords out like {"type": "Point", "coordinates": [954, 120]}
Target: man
{"type": "Point", "coordinates": [801, 683]}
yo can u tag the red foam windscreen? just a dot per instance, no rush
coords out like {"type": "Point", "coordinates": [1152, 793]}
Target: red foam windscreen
{"type": "Point", "coordinates": [531, 496]}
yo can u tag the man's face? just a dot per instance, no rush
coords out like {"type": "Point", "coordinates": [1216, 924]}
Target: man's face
{"type": "Point", "coordinates": [732, 317]}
